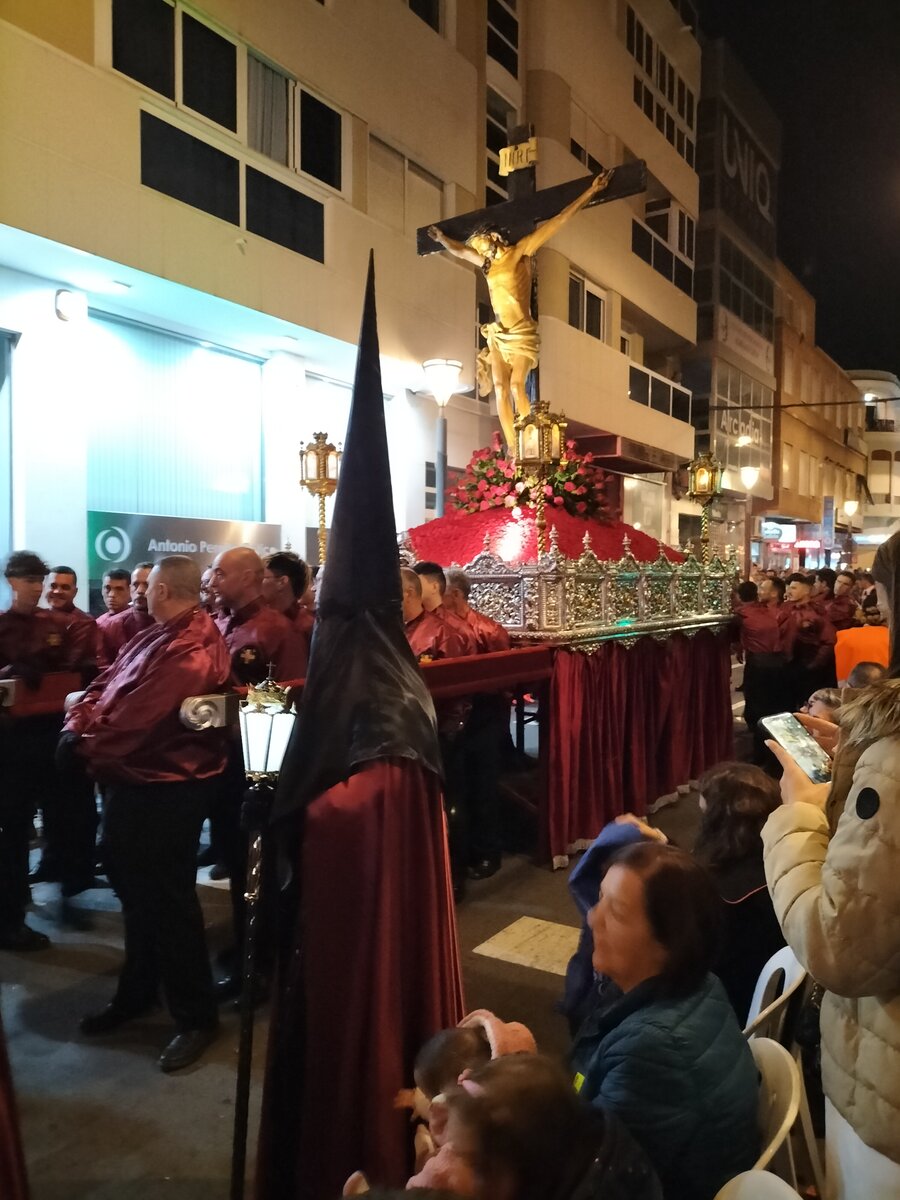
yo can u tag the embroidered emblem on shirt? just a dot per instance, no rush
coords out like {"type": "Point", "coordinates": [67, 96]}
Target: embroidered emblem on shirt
{"type": "Point", "coordinates": [249, 655]}
{"type": "Point", "coordinates": [54, 639]}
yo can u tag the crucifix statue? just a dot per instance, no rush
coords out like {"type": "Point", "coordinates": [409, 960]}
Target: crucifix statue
{"type": "Point", "coordinates": [502, 241]}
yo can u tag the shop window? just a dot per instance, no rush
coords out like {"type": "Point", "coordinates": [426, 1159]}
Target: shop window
{"type": "Point", "coordinates": [188, 169]}
{"type": "Point", "coordinates": [285, 216]}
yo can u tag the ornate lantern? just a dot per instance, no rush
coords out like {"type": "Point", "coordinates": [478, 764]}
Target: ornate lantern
{"type": "Point", "coordinates": [320, 465]}
{"type": "Point", "coordinates": [705, 484]}
{"type": "Point", "coordinates": [540, 443]}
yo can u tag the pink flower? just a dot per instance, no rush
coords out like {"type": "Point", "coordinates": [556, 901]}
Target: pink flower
{"type": "Point", "coordinates": [581, 506]}
{"type": "Point", "coordinates": [548, 490]}
{"type": "Point", "coordinates": [509, 472]}
{"type": "Point", "coordinates": [558, 500]}
{"type": "Point", "coordinates": [481, 486]}
{"type": "Point", "coordinates": [589, 457]}
{"type": "Point", "coordinates": [520, 488]}
{"type": "Point", "coordinates": [569, 486]}
{"type": "Point", "coordinates": [570, 444]}
{"type": "Point", "coordinates": [484, 505]}
{"type": "Point", "coordinates": [579, 491]}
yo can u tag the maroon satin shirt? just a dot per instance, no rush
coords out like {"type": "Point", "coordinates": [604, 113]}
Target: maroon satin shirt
{"type": "Point", "coordinates": [460, 627]}
{"type": "Point", "coordinates": [128, 719]}
{"type": "Point", "coordinates": [257, 635]}
{"type": "Point", "coordinates": [841, 611]}
{"type": "Point", "coordinates": [489, 634]}
{"type": "Point", "coordinates": [303, 619]}
{"type": "Point", "coordinates": [117, 629]}
{"type": "Point", "coordinates": [759, 629]}
{"type": "Point", "coordinates": [807, 635]}
{"type": "Point", "coordinates": [431, 638]}
{"type": "Point", "coordinates": [38, 639]}
{"type": "Point", "coordinates": [84, 635]}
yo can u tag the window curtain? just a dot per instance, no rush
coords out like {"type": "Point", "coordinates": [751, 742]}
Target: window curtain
{"type": "Point", "coordinates": [176, 427]}
{"type": "Point", "coordinates": [267, 110]}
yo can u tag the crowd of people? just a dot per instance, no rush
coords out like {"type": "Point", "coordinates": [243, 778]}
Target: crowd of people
{"type": "Point", "coordinates": [170, 631]}
{"type": "Point", "coordinates": [660, 1100]}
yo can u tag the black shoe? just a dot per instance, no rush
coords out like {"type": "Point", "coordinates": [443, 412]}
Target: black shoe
{"type": "Point", "coordinates": [207, 857]}
{"type": "Point", "coordinates": [111, 1018]}
{"type": "Point", "coordinates": [484, 869]}
{"type": "Point", "coordinates": [185, 1048]}
{"type": "Point", "coordinates": [229, 988]}
{"type": "Point", "coordinates": [219, 871]}
{"type": "Point", "coordinates": [75, 887]}
{"type": "Point", "coordinates": [23, 939]}
{"type": "Point", "coordinates": [43, 873]}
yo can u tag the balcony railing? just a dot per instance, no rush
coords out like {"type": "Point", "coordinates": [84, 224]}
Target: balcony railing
{"type": "Point", "coordinates": [661, 257]}
{"type": "Point", "coordinates": [657, 392]}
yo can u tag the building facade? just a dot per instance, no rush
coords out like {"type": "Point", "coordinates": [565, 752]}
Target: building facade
{"type": "Point", "coordinates": [880, 394]}
{"type": "Point", "coordinates": [188, 200]}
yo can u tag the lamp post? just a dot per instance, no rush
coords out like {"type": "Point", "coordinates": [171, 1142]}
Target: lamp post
{"type": "Point", "coordinates": [320, 465]}
{"type": "Point", "coordinates": [540, 443]}
{"type": "Point", "coordinates": [749, 479]}
{"type": "Point", "coordinates": [705, 484]}
{"type": "Point", "coordinates": [442, 378]}
{"type": "Point", "coordinates": [851, 507]}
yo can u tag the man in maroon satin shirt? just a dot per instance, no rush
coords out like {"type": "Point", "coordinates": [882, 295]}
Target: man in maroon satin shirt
{"type": "Point", "coordinates": [434, 584]}
{"type": "Point", "coordinates": [115, 591]}
{"type": "Point", "coordinates": [808, 640]}
{"type": "Point", "coordinates": [62, 588]}
{"type": "Point", "coordinates": [837, 599]}
{"type": "Point", "coordinates": [158, 778]}
{"type": "Point", "coordinates": [285, 583]}
{"type": "Point", "coordinates": [33, 642]}
{"type": "Point", "coordinates": [429, 637]}
{"type": "Point", "coordinates": [489, 634]}
{"type": "Point", "coordinates": [771, 591]}
{"type": "Point", "coordinates": [123, 626]}
{"type": "Point", "coordinates": [760, 637]}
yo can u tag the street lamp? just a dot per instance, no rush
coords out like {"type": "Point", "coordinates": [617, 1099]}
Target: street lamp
{"type": "Point", "coordinates": [442, 378]}
{"type": "Point", "coordinates": [705, 484]}
{"type": "Point", "coordinates": [540, 443]}
{"type": "Point", "coordinates": [320, 465]}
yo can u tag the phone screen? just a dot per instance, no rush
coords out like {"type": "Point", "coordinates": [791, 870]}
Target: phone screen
{"type": "Point", "coordinates": [800, 744]}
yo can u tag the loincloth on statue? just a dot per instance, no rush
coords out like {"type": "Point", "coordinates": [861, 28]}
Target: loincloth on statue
{"type": "Point", "coordinates": [522, 341]}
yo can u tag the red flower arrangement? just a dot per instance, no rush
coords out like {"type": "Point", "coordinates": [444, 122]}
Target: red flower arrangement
{"type": "Point", "coordinates": [490, 481]}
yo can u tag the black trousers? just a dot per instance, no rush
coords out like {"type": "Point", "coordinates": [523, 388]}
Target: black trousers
{"type": "Point", "coordinates": [70, 826]}
{"type": "Point", "coordinates": [26, 774]}
{"type": "Point", "coordinates": [482, 742]}
{"type": "Point", "coordinates": [150, 838]}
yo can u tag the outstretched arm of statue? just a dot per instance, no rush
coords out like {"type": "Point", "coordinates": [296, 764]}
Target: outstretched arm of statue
{"type": "Point", "coordinates": [457, 249]}
{"type": "Point", "coordinates": [532, 242]}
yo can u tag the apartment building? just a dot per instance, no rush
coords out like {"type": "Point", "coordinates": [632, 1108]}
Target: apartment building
{"type": "Point", "coordinates": [189, 196]}
{"type": "Point", "coordinates": [819, 489]}
{"type": "Point", "coordinates": [880, 393]}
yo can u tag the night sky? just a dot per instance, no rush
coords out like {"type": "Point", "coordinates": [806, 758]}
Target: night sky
{"type": "Point", "coordinates": [831, 71]}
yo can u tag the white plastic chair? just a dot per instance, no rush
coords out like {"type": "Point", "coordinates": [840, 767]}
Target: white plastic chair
{"type": "Point", "coordinates": [778, 981]}
{"type": "Point", "coordinates": [756, 1185]}
{"type": "Point", "coordinates": [779, 1103]}
{"type": "Point", "coordinates": [768, 1010]}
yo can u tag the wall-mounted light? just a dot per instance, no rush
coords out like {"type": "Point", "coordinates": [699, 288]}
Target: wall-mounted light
{"type": "Point", "coordinates": [71, 306]}
{"type": "Point", "coordinates": [749, 478]}
{"type": "Point", "coordinates": [851, 507]}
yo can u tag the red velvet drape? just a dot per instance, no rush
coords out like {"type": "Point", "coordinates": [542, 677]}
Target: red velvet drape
{"type": "Point", "coordinates": [13, 1180]}
{"type": "Point", "coordinates": [629, 725]}
{"type": "Point", "coordinates": [374, 973]}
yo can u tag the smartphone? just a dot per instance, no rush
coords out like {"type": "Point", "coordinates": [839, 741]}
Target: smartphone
{"type": "Point", "coordinates": [786, 730]}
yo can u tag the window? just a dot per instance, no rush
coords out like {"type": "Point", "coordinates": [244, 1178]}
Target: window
{"type": "Point", "coordinates": [144, 43]}
{"type": "Point", "coordinates": [285, 216]}
{"type": "Point", "coordinates": [653, 250]}
{"type": "Point", "coordinates": [787, 459]}
{"type": "Point", "coordinates": [429, 11]}
{"type": "Point", "coordinates": [498, 117]}
{"type": "Point", "coordinates": [187, 169]}
{"type": "Point", "coordinates": [587, 307]}
{"type": "Point", "coordinates": [656, 392]}
{"type": "Point", "coordinates": [268, 110]}
{"type": "Point", "coordinates": [587, 141]}
{"type": "Point", "coordinates": [503, 34]}
{"type": "Point", "coordinates": [747, 291]}
{"type": "Point", "coordinates": [208, 72]}
{"type": "Point", "coordinates": [625, 345]}
{"type": "Point", "coordinates": [666, 100]}
{"type": "Point", "coordinates": [401, 194]}
{"type": "Point", "coordinates": [320, 140]}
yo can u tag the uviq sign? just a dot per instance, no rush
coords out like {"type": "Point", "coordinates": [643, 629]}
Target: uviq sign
{"type": "Point", "coordinates": [747, 180]}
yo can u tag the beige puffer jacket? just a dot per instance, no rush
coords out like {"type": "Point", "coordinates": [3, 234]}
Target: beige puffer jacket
{"type": "Point", "coordinates": [835, 882]}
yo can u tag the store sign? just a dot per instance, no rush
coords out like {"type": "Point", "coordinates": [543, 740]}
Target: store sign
{"type": "Point", "coordinates": [775, 531]}
{"type": "Point", "coordinates": [747, 180]}
{"type": "Point", "coordinates": [808, 544]}
{"type": "Point", "coordinates": [124, 539]}
{"type": "Point", "coordinates": [733, 333]}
